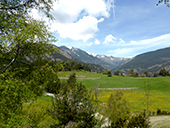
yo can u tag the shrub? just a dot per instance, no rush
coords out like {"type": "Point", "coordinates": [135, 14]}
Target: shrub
{"type": "Point", "coordinates": [139, 121]}
{"type": "Point", "coordinates": [109, 74]}
{"type": "Point", "coordinates": [158, 111]}
{"type": "Point", "coordinates": [118, 110]}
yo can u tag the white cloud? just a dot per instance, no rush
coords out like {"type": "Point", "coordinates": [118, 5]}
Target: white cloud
{"type": "Point", "coordinates": [89, 44]}
{"type": "Point", "coordinates": [162, 40]}
{"type": "Point", "coordinates": [83, 29]}
{"type": "Point", "coordinates": [96, 42]}
{"type": "Point", "coordinates": [121, 52]}
{"type": "Point", "coordinates": [121, 40]}
{"type": "Point", "coordinates": [134, 48]}
{"type": "Point", "coordinates": [109, 39]}
{"type": "Point", "coordinates": [78, 19]}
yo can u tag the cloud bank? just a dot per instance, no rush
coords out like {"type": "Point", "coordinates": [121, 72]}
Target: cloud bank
{"type": "Point", "coordinates": [78, 19]}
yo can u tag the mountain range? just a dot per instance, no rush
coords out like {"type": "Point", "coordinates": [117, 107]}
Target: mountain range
{"type": "Point", "coordinates": [109, 62]}
{"type": "Point", "coordinates": [151, 61]}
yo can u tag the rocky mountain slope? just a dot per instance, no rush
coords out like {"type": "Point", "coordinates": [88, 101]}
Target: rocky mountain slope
{"type": "Point", "coordinates": [62, 55]}
{"type": "Point", "coordinates": [105, 61]}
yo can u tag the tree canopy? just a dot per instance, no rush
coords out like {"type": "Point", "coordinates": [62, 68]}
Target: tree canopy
{"type": "Point", "coordinates": [24, 42]}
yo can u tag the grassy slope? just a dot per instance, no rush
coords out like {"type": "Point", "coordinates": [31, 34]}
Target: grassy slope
{"type": "Point", "coordinates": [159, 95]}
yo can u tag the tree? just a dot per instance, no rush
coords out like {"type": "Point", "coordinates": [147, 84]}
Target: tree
{"type": "Point", "coordinates": [109, 74]}
{"type": "Point", "coordinates": [23, 45]}
{"type": "Point", "coordinates": [96, 91]}
{"type": "Point", "coordinates": [131, 72]}
{"type": "Point", "coordinates": [73, 107]}
{"type": "Point", "coordinates": [118, 110]}
{"type": "Point", "coordinates": [22, 36]}
{"type": "Point", "coordinates": [146, 73]}
{"type": "Point", "coordinates": [163, 72]}
{"type": "Point", "coordinates": [117, 72]}
{"type": "Point", "coordinates": [139, 121]}
{"type": "Point", "coordinates": [105, 71]}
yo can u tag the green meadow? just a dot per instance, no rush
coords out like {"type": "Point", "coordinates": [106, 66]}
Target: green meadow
{"type": "Point", "coordinates": [159, 96]}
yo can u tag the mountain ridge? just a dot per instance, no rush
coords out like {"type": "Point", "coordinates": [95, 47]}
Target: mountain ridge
{"type": "Point", "coordinates": [109, 62]}
{"type": "Point", "coordinates": [151, 61]}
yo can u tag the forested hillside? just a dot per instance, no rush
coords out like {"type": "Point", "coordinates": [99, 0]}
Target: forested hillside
{"type": "Point", "coordinates": [150, 61]}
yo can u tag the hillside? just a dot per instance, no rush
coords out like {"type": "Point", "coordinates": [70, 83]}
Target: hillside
{"type": "Point", "coordinates": [150, 61]}
{"type": "Point", "coordinates": [105, 61]}
{"type": "Point", "coordinates": [62, 55]}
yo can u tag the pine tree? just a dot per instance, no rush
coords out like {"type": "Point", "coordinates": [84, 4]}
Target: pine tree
{"type": "Point", "coordinates": [73, 107]}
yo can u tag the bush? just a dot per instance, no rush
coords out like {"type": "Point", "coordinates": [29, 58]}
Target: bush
{"type": "Point", "coordinates": [139, 121]}
{"type": "Point", "coordinates": [109, 74]}
{"type": "Point", "coordinates": [118, 110]}
{"type": "Point", "coordinates": [158, 111]}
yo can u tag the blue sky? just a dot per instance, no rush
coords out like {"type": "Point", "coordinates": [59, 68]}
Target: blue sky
{"type": "Point", "coordinates": [121, 28]}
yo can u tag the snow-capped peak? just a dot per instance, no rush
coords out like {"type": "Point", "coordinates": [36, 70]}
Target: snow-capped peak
{"type": "Point", "coordinates": [70, 47]}
{"type": "Point", "coordinates": [92, 54]}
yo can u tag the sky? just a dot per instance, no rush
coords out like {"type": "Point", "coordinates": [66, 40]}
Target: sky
{"type": "Point", "coordinates": [121, 28]}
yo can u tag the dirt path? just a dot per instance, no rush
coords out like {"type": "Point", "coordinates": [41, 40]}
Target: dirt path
{"type": "Point", "coordinates": [160, 121]}
{"type": "Point", "coordinates": [117, 88]}
{"type": "Point", "coordinates": [79, 78]}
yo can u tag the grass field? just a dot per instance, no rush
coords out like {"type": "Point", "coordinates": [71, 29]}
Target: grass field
{"type": "Point", "coordinates": [159, 94]}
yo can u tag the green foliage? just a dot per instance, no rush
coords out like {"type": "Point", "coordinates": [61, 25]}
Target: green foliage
{"type": "Point", "coordinates": [11, 98]}
{"type": "Point", "coordinates": [118, 110]}
{"type": "Point", "coordinates": [117, 72]}
{"type": "Point", "coordinates": [96, 91]}
{"type": "Point", "coordinates": [109, 74]}
{"type": "Point", "coordinates": [97, 71]}
{"type": "Point", "coordinates": [73, 106]}
{"type": "Point", "coordinates": [72, 80]}
{"type": "Point", "coordinates": [23, 45]}
{"type": "Point", "coordinates": [146, 73]}
{"type": "Point", "coordinates": [163, 72]}
{"type": "Point", "coordinates": [36, 114]}
{"type": "Point", "coordinates": [131, 72]}
{"type": "Point", "coordinates": [139, 121]}
{"type": "Point", "coordinates": [105, 72]}
{"type": "Point", "coordinates": [156, 74]}
{"type": "Point", "coordinates": [72, 66]}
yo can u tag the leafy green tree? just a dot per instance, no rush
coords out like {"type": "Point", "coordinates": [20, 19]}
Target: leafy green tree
{"type": "Point", "coordinates": [105, 72]}
{"type": "Point", "coordinates": [135, 74]}
{"type": "Point", "coordinates": [109, 74]}
{"type": "Point", "coordinates": [146, 73]}
{"type": "Point", "coordinates": [73, 107]}
{"type": "Point", "coordinates": [156, 74]}
{"type": "Point", "coordinates": [24, 42]}
{"type": "Point", "coordinates": [163, 72]}
{"type": "Point", "coordinates": [121, 74]}
{"type": "Point", "coordinates": [117, 72]}
{"type": "Point", "coordinates": [118, 110]}
{"type": "Point", "coordinates": [131, 72]}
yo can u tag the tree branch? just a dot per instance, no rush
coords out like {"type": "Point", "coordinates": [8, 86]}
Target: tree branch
{"type": "Point", "coordinates": [13, 60]}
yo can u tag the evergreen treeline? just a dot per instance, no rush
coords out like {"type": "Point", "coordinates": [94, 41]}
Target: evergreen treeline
{"type": "Point", "coordinates": [70, 66]}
